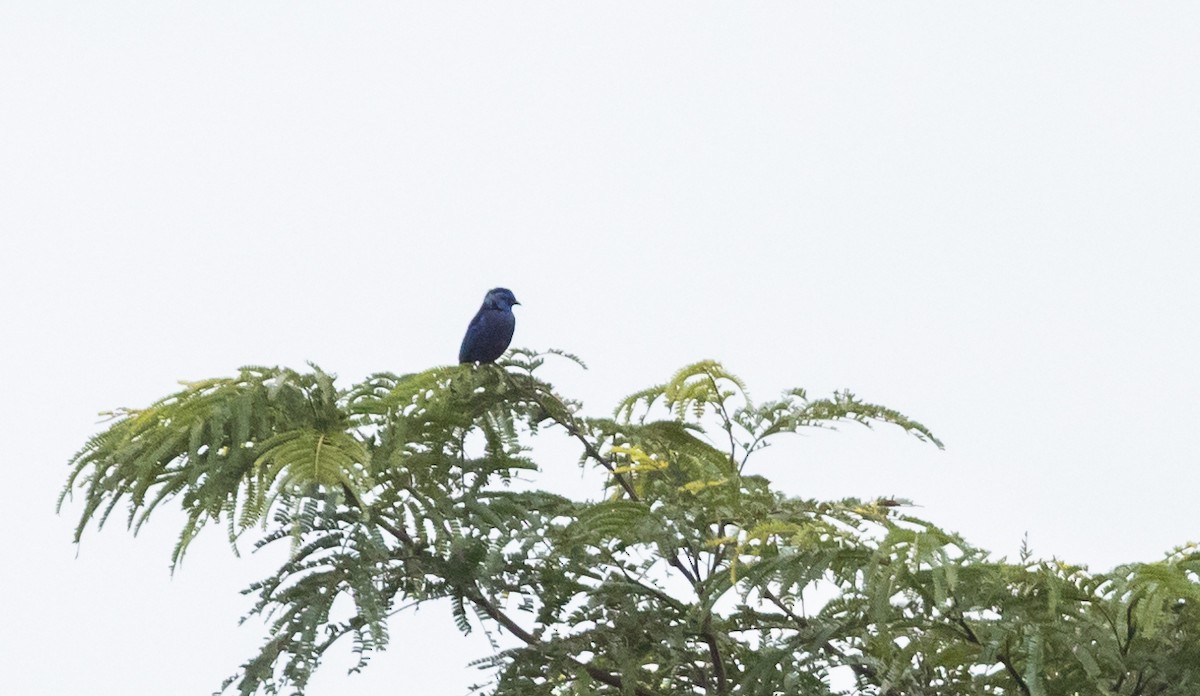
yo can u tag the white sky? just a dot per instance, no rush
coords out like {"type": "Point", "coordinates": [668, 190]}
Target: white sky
{"type": "Point", "coordinates": [985, 215]}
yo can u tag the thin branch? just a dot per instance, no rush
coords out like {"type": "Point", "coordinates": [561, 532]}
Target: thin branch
{"type": "Point", "coordinates": [574, 431]}
{"type": "Point", "coordinates": [1012, 672]}
{"type": "Point", "coordinates": [860, 670]}
{"type": "Point", "coordinates": [655, 592]}
{"type": "Point", "coordinates": [1003, 657]}
{"type": "Point", "coordinates": [717, 556]}
{"type": "Point", "coordinates": [477, 597]}
{"type": "Point", "coordinates": [726, 421]}
{"type": "Point", "coordinates": [1139, 685]}
{"type": "Point", "coordinates": [802, 622]}
{"type": "Point", "coordinates": [395, 531]}
{"type": "Point", "coordinates": [1132, 630]}
{"type": "Point", "coordinates": [714, 653]}
{"type": "Point", "coordinates": [758, 441]}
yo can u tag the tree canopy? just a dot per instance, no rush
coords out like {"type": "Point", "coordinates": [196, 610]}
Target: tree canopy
{"type": "Point", "coordinates": [688, 574]}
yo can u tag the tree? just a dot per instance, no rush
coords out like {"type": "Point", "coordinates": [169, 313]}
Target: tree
{"type": "Point", "coordinates": [691, 574]}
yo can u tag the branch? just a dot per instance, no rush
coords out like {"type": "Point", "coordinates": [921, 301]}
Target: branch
{"type": "Point", "coordinates": [476, 596]}
{"type": "Point", "coordinates": [395, 531]}
{"type": "Point", "coordinates": [1002, 657]}
{"type": "Point", "coordinates": [493, 612]}
{"type": "Point", "coordinates": [727, 422]}
{"type": "Point", "coordinates": [860, 670]}
{"type": "Point", "coordinates": [1012, 672]}
{"type": "Point", "coordinates": [1132, 630]}
{"type": "Point", "coordinates": [802, 622]}
{"type": "Point", "coordinates": [717, 555]}
{"type": "Point", "coordinates": [654, 592]}
{"type": "Point", "coordinates": [574, 431]}
{"type": "Point", "coordinates": [714, 653]}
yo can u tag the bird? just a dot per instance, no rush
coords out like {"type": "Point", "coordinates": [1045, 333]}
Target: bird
{"type": "Point", "coordinates": [490, 332]}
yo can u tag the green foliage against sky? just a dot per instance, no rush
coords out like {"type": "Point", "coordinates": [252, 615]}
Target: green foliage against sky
{"type": "Point", "coordinates": [688, 574]}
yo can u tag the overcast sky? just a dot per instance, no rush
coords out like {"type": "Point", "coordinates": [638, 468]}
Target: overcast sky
{"type": "Point", "coordinates": [985, 215]}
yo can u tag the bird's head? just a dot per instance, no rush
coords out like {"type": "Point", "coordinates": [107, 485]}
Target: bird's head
{"type": "Point", "coordinates": [500, 298]}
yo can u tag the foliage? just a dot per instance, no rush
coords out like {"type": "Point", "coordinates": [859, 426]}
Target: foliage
{"type": "Point", "coordinates": [692, 575]}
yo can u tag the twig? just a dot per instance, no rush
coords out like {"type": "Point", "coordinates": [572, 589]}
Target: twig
{"type": "Point", "coordinates": [860, 670]}
{"type": "Point", "coordinates": [714, 653]}
{"type": "Point", "coordinates": [1002, 657]}
{"type": "Point", "coordinates": [600, 675]}
{"type": "Point", "coordinates": [574, 431]}
{"type": "Point", "coordinates": [395, 531]}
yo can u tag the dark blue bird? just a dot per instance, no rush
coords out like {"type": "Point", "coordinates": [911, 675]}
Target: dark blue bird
{"type": "Point", "coordinates": [490, 332]}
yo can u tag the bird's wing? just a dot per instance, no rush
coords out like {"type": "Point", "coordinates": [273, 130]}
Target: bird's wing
{"type": "Point", "coordinates": [471, 339]}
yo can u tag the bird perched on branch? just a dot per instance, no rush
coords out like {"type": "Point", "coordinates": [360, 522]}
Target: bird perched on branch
{"type": "Point", "coordinates": [490, 332]}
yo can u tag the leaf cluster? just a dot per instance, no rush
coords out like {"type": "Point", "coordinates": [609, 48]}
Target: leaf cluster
{"type": "Point", "coordinates": [690, 574]}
